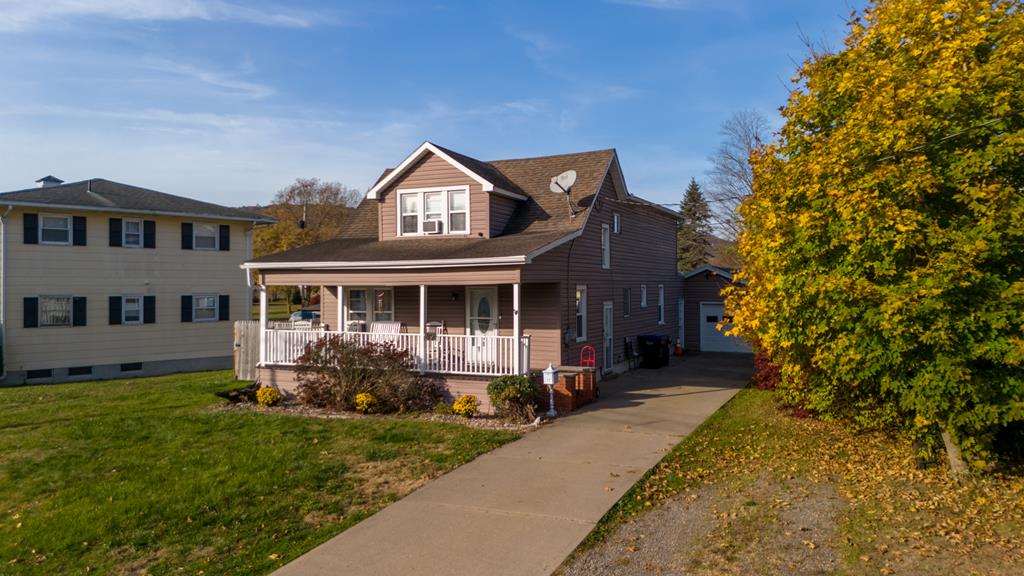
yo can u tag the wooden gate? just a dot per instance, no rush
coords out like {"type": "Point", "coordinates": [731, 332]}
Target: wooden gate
{"type": "Point", "coordinates": [247, 349]}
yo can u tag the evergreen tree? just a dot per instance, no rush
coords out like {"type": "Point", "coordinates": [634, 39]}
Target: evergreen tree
{"type": "Point", "coordinates": [694, 246]}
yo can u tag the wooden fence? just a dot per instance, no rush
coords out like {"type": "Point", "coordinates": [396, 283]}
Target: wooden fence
{"type": "Point", "coordinates": [247, 349]}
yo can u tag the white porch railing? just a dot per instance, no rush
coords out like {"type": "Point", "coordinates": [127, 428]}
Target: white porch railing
{"type": "Point", "coordinates": [442, 354]}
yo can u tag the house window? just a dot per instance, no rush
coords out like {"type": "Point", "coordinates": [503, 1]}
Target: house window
{"type": "Point", "coordinates": [132, 234]}
{"type": "Point", "coordinates": [204, 236]}
{"type": "Point", "coordinates": [581, 313]}
{"type": "Point", "coordinates": [204, 308]}
{"type": "Point", "coordinates": [458, 215]}
{"type": "Point", "coordinates": [606, 247]}
{"type": "Point", "coordinates": [627, 301]}
{"type": "Point", "coordinates": [131, 367]}
{"type": "Point", "coordinates": [131, 310]}
{"type": "Point", "coordinates": [362, 309]}
{"type": "Point", "coordinates": [449, 207]}
{"type": "Point", "coordinates": [410, 214]}
{"type": "Point", "coordinates": [616, 222]}
{"type": "Point", "coordinates": [661, 304]}
{"type": "Point", "coordinates": [38, 374]}
{"type": "Point", "coordinates": [55, 310]}
{"type": "Point", "coordinates": [55, 229]}
{"type": "Point", "coordinates": [80, 371]}
{"type": "Point", "coordinates": [383, 305]}
{"type": "Point", "coordinates": [643, 295]}
{"type": "Point", "coordinates": [357, 311]}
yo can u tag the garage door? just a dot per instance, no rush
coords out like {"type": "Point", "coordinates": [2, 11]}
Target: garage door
{"type": "Point", "coordinates": [712, 339]}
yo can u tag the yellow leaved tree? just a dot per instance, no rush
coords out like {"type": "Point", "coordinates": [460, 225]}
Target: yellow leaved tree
{"type": "Point", "coordinates": [884, 241]}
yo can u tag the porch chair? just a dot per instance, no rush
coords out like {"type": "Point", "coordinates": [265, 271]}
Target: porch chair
{"type": "Point", "coordinates": [385, 331]}
{"type": "Point", "coordinates": [632, 356]}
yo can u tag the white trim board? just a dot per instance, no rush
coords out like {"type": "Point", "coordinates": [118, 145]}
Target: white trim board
{"type": "Point", "coordinates": [424, 148]}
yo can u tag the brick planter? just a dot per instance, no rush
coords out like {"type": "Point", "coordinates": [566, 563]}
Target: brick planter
{"type": "Point", "coordinates": [576, 387]}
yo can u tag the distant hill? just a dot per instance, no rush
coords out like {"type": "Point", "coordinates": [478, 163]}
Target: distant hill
{"type": "Point", "coordinates": [723, 253]}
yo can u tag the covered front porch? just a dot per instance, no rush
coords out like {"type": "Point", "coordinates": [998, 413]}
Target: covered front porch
{"type": "Point", "coordinates": [479, 330]}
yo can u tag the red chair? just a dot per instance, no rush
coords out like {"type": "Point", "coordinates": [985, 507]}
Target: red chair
{"type": "Point", "coordinates": [588, 357]}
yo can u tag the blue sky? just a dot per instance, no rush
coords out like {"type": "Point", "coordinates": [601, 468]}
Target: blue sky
{"type": "Point", "coordinates": [229, 102]}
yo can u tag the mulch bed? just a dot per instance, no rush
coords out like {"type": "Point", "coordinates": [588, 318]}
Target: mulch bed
{"type": "Point", "coordinates": [297, 409]}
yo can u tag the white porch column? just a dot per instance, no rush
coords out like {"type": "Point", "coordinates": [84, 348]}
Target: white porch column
{"type": "Point", "coordinates": [263, 325]}
{"type": "Point", "coordinates": [341, 310]}
{"type": "Point", "coordinates": [421, 355]}
{"type": "Point", "coordinates": [517, 331]}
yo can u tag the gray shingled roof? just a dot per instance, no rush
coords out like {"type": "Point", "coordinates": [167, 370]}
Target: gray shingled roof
{"type": "Point", "coordinates": [105, 195]}
{"type": "Point", "coordinates": [537, 222]}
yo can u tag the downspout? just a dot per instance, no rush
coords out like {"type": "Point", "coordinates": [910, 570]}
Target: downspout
{"type": "Point", "coordinates": [249, 234]}
{"type": "Point", "coordinates": [3, 293]}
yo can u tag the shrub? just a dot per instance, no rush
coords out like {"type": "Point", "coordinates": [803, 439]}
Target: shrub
{"type": "Point", "coordinates": [333, 370]}
{"type": "Point", "coordinates": [366, 403]}
{"type": "Point", "coordinates": [513, 397]}
{"type": "Point", "coordinates": [443, 409]}
{"type": "Point", "coordinates": [466, 406]}
{"type": "Point", "coordinates": [268, 396]}
{"type": "Point", "coordinates": [768, 374]}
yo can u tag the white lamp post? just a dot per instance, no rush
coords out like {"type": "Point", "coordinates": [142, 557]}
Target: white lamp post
{"type": "Point", "coordinates": [550, 379]}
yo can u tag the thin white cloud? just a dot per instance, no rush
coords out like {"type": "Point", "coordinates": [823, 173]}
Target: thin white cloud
{"type": "Point", "coordinates": [213, 78]}
{"type": "Point", "coordinates": [20, 15]}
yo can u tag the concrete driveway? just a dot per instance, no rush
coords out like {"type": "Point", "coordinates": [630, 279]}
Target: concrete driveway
{"type": "Point", "coordinates": [523, 508]}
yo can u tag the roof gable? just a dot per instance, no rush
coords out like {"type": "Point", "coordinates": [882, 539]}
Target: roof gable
{"type": "Point", "coordinates": [490, 180]}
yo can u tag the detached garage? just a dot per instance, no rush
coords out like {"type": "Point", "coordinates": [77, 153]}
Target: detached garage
{"type": "Point", "coordinates": [703, 308]}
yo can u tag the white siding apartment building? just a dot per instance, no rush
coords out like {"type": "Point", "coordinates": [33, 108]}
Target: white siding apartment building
{"type": "Point", "coordinates": [103, 280]}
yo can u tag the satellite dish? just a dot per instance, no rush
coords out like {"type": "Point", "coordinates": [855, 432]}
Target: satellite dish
{"type": "Point", "coordinates": [563, 182]}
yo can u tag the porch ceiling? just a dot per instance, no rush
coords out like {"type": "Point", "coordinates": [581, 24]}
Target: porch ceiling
{"type": "Point", "coordinates": [483, 275]}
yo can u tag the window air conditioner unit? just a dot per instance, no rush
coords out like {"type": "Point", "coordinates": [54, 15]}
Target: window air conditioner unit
{"type": "Point", "coordinates": [431, 226]}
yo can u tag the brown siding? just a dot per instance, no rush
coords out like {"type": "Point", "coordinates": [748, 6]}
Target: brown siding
{"type": "Point", "coordinates": [697, 289]}
{"type": "Point", "coordinates": [428, 172]}
{"type": "Point", "coordinates": [643, 252]}
{"type": "Point", "coordinates": [329, 307]}
{"type": "Point", "coordinates": [540, 304]}
{"type": "Point", "coordinates": [501, 210]}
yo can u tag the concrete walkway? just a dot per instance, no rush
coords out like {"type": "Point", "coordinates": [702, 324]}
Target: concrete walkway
{"type": "Point", "coordinates": [523, 508]}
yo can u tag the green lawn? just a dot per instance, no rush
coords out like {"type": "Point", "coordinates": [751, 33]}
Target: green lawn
{"type": "Point", "coordinates": [145, 476]}
{"type": "Point", "coordinates": [276, 310]}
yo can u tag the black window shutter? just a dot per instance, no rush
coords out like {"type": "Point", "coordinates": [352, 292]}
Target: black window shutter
{"type": "Point", "coordinates": [31, 312]}
{"type": "Point", "coordinates": [149, 309]}
{"type": "Point", "coordinates": [78, 231]}
{"type": "Point", "coordinates": [31, 226]}
{"type": "Point", "coordinates": [78, 311]}
{"type": "Point", "coordinates": [115, 232]}
{"type": "Point", "coordinates": [225, 237]}
{"type": "Point", "coordinates": [186, 235]}
{"type": "Point", "coordinates": [186, 308]}
{"type": "Point", "coordinates": [224, 307]}
{"type": "Point", "coordinates": [149, 234]}
{"type": "Point", "coordinates": [115, 310]}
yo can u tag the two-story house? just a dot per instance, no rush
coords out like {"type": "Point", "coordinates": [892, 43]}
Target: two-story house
{"type": "Point", "coordinates": [101, 280]}
{"type": "Point", "coordinates": [485, 268]}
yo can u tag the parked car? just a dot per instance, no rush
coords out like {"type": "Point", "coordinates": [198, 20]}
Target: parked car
{"type": "Point", "coordinates": [305, 314]}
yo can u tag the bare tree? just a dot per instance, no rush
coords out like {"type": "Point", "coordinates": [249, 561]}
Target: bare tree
{"type": "Point", "coordinates": [731, 178]}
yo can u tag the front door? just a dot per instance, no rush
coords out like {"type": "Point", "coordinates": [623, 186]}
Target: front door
{"type": "Point", "coordinates": [608, 340]}
{"type": "Point", "coordinates": [482, 322]}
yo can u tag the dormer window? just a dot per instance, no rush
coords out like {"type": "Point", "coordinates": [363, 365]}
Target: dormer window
{"type": "Point", "coordinates": [433, 211]}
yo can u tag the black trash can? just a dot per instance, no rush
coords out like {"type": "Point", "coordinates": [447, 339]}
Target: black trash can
{"type": "Point", "coordinates": [653, 349]}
